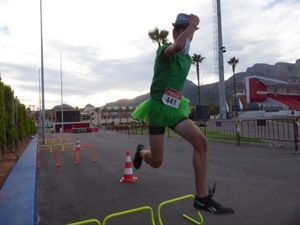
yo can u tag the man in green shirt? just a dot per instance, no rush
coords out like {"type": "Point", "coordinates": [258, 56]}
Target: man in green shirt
{"type": "Point", "coordinates": [169, 108]}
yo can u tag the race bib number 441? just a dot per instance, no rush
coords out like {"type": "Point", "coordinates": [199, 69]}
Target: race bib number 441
{"type": "Point", "coordinates": [171, 98]}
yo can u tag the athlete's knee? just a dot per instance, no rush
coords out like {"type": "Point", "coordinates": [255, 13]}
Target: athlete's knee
{"type": "Point", "coordinates": [201, 144]}
{"type": "Point", "coordinates": [156, 163]}
{"type": "Point", "coordinates": [201, 140]}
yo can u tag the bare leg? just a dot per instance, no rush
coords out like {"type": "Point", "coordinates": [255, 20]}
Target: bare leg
{"type": "Point", "coordinates": [154, 157]}
{"type": "Point", "coordinates": [189, 131]}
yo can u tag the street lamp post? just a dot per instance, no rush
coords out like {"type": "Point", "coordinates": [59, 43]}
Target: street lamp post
{"type": "Point", "coordinates": [106, 115]}
{"type": "Point", "coordinates": [119, 114]}
{"type": "Point", "coordinates": [234, 89]}
{"type": "Point", "coordinates": [40, 102]}
{"type": "Point", "coordinates": [222, 50]}
{"type": "Point", "coordinates": [198, 78]}
{"type": "Point", "coordinates": [42, 77]}
{"type": "Point", "coordinates": [62, 103]}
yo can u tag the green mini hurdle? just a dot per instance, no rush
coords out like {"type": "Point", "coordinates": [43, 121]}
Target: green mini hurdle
{"type": "Point", "coordinates": [145, 208]}
{"type": "Point", "coordinates": [84, 222]}
{"type": "Point", "coordinates": [201, 222]}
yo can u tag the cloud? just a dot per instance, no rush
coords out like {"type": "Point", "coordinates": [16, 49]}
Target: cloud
{"type": "Point", "coordinates": [4, 30]}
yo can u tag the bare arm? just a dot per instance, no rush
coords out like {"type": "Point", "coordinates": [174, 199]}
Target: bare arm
{"type": "Point", "coordinates": [180, 40]}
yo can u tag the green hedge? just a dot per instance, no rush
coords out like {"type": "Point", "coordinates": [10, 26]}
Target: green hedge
{"type": "Point", "coordinates": [15, 122]}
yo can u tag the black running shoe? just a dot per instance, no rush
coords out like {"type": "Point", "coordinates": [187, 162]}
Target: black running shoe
{"type": "Point", "coordinates": [137, 159]}
{"type": "Point", "coordinates": [209, 205]}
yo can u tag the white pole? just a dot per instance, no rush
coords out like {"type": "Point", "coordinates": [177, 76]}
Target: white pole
{"type": "Point", "coordinates": [62, 103]}
{"type": "Point", "coordinates": [40, 107]}
{"type": "Point", "coordinates": [222, 98]}
{"type": "Point", "coordinates": [42, 77]}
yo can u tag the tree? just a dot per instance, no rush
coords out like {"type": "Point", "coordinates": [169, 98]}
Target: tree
{"type": "Point", "coordinates": [127, 110]}
{"type": "Point", "coordinates": [97, 110]}
{"type": "Point", "coordinates": [2, 118]}
{"type": "Point", "coordinates": [15, 122]}
{"type": "Point", "coordinates": [158, 36]}
{"type": "Point", "coordinates": [28, 109]}
{"type": "Point", "coordinates": [213, 109]}
{"type": "Point", "coordinates": [196, 59]}
{"type": "Point", "coordinates": [22, 114]}
{"type": "Point", "coordinates": [233, 62]}
{"type": "Point", "coordinates": [120, 110]}
{"type": "Point", "coordinates": [11, 135]}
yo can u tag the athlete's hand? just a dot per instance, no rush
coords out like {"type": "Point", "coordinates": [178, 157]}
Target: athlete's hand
{"type": "Point", "coordinates": [194, 20]}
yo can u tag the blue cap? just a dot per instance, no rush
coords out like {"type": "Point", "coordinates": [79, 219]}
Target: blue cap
{"type": "Point", "coordinates": [182, 20]}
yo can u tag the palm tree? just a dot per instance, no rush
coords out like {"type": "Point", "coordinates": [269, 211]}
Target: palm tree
{"type": "Point", "coordinates": [127, 110]}
{"type": "Point", "coordinates": [97, 110]}
{"type": "Point", "coordinates": [159, 36]}
{"type": "Point", "coordinates": [233, 62]}
{"type": "Point", "coordinates": [196, 59]}
{"type": "Point", "coordinates": [120, 113]}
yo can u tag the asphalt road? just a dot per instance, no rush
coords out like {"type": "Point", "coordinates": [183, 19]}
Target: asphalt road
{"type": "Point", "coordinates": [261, 183]}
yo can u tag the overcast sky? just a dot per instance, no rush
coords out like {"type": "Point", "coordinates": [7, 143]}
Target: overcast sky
{"type": "Point", "coordinates": [101, 51]}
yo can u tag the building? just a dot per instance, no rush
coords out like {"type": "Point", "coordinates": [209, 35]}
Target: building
{"type": "Point", "coordinates": [270, 94]}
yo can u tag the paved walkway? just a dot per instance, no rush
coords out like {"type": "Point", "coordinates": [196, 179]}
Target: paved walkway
{"type": "Point", "coordinates": [261, 183]}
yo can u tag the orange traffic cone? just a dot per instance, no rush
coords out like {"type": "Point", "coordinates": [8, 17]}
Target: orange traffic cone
{"type": "Point", "coordinates": [77, 153]}
{"type": "Point", "coordinates": [128, 173]}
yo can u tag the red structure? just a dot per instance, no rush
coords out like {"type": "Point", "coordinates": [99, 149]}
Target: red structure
{"type": "Point", "coordinates": [71, 122]}
{"type": "Point", "coordinates": [273, 92]}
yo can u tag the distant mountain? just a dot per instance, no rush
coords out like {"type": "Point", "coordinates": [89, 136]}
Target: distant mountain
{"type": "Point", "coordinates": [210, 92]}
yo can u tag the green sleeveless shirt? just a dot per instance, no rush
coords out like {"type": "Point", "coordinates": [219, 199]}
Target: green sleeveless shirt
{"type": "Point", "coordinates": [169, 74]}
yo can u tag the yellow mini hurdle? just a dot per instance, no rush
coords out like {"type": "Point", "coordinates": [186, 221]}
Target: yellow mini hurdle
{"type": "Point", "coordinates": [145, 208]}
{"type": "Point", "coordinates": [185, 216]}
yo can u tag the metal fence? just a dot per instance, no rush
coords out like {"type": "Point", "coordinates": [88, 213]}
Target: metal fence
{"type": "Point", "coordinates": [275, 129]}
{"type": "Point", "coordinates": [278, 129]}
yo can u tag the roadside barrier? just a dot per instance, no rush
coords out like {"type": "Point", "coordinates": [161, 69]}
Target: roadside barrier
{"type": "Point", "coordinates": [60, 146]}
{"type": "Point", "coordinates": [77, 152]}
{"type": "Point", "coordinates": [91, 147]}
{"type": "Point", "coordinates": [52, 140]}
{"type": "Point", "coordinates": [68, 146]}
{"type": "Point", "coordinates": [57, 147]}
{"type": "Point", "coordinates": [146, 208]}
{"type": "Point", "coordinates": [273, 129]}
{"type": "Point", "coordinates": [276, 129]}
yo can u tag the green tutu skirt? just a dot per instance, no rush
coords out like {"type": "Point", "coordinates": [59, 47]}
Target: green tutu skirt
{"type": "Point", "coordinates": [155, 113]}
